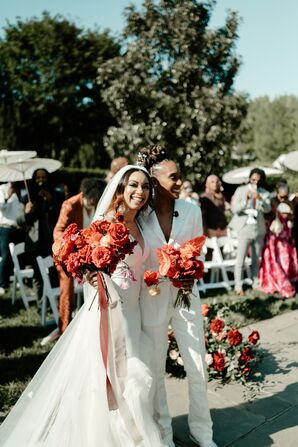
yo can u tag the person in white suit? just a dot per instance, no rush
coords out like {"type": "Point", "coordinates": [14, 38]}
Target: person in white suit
{"type": "Point", "coordinates": [172, 222]}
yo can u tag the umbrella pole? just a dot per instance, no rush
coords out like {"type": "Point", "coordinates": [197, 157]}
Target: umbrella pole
{"type": "Point", "coordinates": [27, 189]}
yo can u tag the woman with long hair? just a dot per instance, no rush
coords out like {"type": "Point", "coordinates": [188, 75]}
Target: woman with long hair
{"type": "Point", "coordinates": [79, 397]}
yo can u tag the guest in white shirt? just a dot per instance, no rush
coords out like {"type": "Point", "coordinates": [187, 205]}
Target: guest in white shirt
{"type": "Point", "coordinates": [9, 209]}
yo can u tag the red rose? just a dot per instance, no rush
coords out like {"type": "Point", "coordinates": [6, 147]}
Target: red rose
{"type": "Point", "coordinates": [73, 263]}
{"type": "Point", "coordinates": [119, 234]}
{"type": "Point", "coordinates": [66, 249]}
{"type": "Point", "coordinates": [218, 361]}
{"type": "Point", "coordinates": [102, 257]}
{"type": "Point", "coordinates": [205, 310]}
{"type": "Point", "coordinates": [70, 230]}
{"type": "Point", "coordinates": [101, 226]}
{"type": "Point", "coordinates": [151, 278]}
{"type": "Point", "coordinates": [254, 337]}
{"type": "Point", "coordinates": [234, 337]}
{"type": "Point", "coordinates": [216, 325]}
{"type": "Point", "coordinates": [246, 355]}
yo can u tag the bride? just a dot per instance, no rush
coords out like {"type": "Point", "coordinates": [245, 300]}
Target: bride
{"type": "Point", "coordinates": [67, 403]}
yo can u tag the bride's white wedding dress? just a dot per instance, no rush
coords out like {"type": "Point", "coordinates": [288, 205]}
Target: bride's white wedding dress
{"type": "Point", "coordinates": [66, 405]}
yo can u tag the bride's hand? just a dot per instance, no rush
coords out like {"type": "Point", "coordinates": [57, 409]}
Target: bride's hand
{"type": "Point", "coordinates": [91, 278]}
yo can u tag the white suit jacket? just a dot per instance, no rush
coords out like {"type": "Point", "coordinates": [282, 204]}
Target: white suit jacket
{"type": "Point", "coordinates": [186, 225]}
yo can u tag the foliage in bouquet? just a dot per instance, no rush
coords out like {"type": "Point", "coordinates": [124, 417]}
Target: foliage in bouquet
{"type": "Point", "coordinates": [178, 263]}
{"type": "Point", "coordinates": [230, 357]}
{"type": "Point", "coordinates": [99, 247]}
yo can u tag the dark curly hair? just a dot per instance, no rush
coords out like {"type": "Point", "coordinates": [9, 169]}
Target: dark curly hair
{"type": "Point", "coordinates": [151, 155]}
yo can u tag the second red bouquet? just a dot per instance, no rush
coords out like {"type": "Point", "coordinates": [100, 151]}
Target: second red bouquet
{"type": "Point", "coordinates": [180, 265]}
{"type": "Point", "coordinates": [99, 247]}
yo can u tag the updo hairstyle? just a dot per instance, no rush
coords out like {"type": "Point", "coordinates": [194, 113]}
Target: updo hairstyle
{"type": "Point", "coordinates": [150, 156]}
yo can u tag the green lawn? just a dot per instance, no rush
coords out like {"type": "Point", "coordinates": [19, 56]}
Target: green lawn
{"type": "Point", "coordinates": [21, 333]}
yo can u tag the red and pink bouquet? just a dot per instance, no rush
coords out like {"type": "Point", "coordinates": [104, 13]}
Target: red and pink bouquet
{"type": "Point", "coordinates": [179, 264]}
{"type": "Point", "coordinates": [97, 248]}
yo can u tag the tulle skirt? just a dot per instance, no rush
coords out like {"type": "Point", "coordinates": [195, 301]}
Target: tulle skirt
{"type": "Point", "coordinates": [66, 405]}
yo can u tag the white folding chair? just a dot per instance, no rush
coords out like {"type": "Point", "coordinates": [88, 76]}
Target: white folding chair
{"type": "Point", "coordinates": [217, 267]}
{"type": "Point", "coordinates": [51, 294]}
{"type": "Point", "coordinates": [20, 274]}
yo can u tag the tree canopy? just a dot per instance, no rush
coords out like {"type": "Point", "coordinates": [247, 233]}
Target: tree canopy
{"type": "Point", "coordinates": [270, 128]}
{"type": "Point", "coordinates": [173, 85]}
{"type": "Point", "coordinates": [50, 101]}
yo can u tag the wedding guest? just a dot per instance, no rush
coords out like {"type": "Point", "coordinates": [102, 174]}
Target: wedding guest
{"type": "Point", "coordinates": [174, 221]}
{"type": "Point", "coordinates": [10, 207]}
{"type": "Point", "coordinates": [116, 165]}
{"type": "Point", "coordinates": [279, 266]}
{"type": "Point", "coordinates": [213, 206]}
{"type": "Point", "coordinates": [281, 195]}
{"type": "Point", "coordinates": [249, 204]}
{"type": "Point", "coordinates": [188, 194]}
{"type": "Point", "coordinates": [77, 209]}
{"type": "Point", "coordinates": [41, 210]}
{"type": "Point", "coordinates": [76, 399]}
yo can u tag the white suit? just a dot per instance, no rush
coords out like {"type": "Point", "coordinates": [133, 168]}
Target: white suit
{"type": "Point", "coordinates": [158, 312]}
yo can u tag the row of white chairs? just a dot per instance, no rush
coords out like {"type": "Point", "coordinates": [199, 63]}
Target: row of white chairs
{"type": "Point", "coordinates": [50, 294]}
{"type": "Point", "coordinates": [222, 264]}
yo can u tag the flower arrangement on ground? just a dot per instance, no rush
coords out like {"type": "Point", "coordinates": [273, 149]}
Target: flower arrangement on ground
{"type": "Point", "coordinates": [179, 264]}
{"type": "Point", "coordinates": [97, 248]}
{"type": "Point", "coordinates": [230, 356]}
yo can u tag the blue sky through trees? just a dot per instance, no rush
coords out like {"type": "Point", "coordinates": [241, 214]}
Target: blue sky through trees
{"type": "Point", "coordinates": [268, 34]}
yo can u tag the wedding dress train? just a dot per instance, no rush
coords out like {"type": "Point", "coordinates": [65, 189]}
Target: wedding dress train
{"type": "Point", "coordinates": [66, 403]}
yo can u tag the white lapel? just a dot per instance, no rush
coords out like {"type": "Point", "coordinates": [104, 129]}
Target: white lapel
{"type": "Point", "coordinates": [179, 220]}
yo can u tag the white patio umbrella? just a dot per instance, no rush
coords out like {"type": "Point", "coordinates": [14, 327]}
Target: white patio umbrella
{"type": "Point", "coordinates": [241, 175]}
{"type": "Point", "coordinates": [22, 170]}
{"type": "Point", "coordinates": [7, 156]}
{"type": "Point", "coordinates": [291, 161]}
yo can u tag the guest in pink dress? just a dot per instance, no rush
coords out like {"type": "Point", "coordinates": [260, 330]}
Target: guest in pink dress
{"type": "Point", "coordinates": [279, 267]}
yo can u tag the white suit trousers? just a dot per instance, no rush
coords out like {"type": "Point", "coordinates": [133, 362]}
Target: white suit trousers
{"type": "Point", "coordinates": [190, 338]}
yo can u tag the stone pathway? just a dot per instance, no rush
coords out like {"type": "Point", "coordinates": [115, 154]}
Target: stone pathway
{"type": "Point", "coordinates": [272, 417]}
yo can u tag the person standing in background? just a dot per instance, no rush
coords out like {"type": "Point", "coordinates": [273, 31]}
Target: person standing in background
{"type": "Point", "coordinates": [39, 217]}
{"type": "Point", "coordinates": [116, 165]}
{"type": "Point", "coordinates": [213, 206]}
{"type": "Point", "coordinates": [249, 204]}
{"type": "Point", "coordinates": [10, 207]}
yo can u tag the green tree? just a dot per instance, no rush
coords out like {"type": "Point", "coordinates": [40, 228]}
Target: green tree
{"type": "Point", "coordinates": [270, 127]}
{"type": "Point", "coordinates": [173, 84]}
{"type": "Point", "coordinates": [49, 97]}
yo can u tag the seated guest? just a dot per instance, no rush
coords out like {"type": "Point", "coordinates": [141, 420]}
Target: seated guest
{"type": "Point", "coordinates": [188, 194]}
{"type": "Point", "coordinates": [213, 206]}
{"type": "Point", "coordinates": [77, 209]}
{"type": "Point", "coordinates": [279, 266]}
